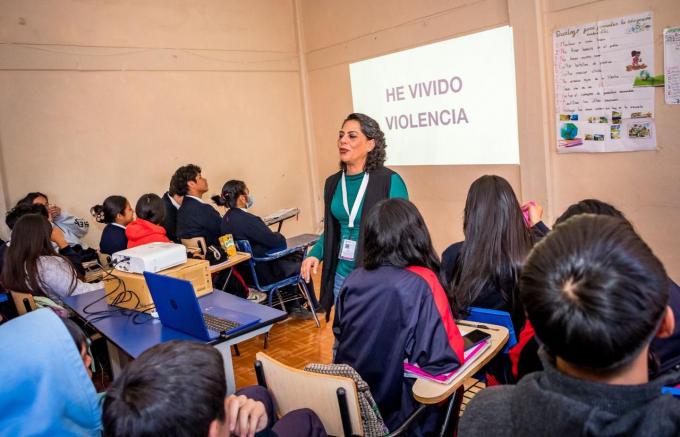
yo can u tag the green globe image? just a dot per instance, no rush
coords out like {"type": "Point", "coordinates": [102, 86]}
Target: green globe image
{"type": "Point", "coordinates": [569, 131]}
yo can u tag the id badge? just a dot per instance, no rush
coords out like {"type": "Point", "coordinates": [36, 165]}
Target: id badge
{"type": "Point", "coordinates": [348, 249]}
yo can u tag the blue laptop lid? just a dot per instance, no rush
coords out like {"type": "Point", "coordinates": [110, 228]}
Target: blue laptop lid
{"type": "Point", "coordinates": [179, 308]}
{"type": "Point", "coordinates": [177, 305]}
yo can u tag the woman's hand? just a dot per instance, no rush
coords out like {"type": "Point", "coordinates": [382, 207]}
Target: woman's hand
{"type": "Point", "coordinates": [309, 265]}
{"type": "Point", "coordinates": [535, 212]}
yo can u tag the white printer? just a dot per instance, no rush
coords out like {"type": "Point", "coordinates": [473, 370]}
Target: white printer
{"type": "Point", "coordinates": [152, 257]}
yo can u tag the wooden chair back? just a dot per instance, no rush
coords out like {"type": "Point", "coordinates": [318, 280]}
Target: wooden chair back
{"type": "Point", "coordinates": [104, 259]}
{"type": "Point", "coordinates": [24, 302]}
{"type": "Point", "coordinates": [293, 389]}
{"type": "Point", "coordinates": [196, 246]}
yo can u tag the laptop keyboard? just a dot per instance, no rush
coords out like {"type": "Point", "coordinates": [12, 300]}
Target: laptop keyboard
{"type": "Point", "coordinates": [219, 325]}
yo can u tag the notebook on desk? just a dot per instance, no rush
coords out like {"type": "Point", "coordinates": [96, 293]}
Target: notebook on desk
{"type": "Point", "coordinates": [178, 308]}
{"type": "Point", "coordinates": [470, 355]}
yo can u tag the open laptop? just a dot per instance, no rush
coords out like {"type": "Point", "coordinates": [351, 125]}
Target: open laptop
{"type": "Point", "coordinates": [178, 308]}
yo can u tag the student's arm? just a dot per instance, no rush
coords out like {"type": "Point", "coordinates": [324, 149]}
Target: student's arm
{"type": "Point", "coordinates": [76, 226]}
{"type": "Point", "coordinates": [213, 223]}
{"type": "Point", "coordinates": [57, 277]}
{"type": "Point", "coordinates": [437, 342]}
{"type": "Point", "coordinates": [398, 187]}
{"type": "Point", "coordinates": [259, 233]}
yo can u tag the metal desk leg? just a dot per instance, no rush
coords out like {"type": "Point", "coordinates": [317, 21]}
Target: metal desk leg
{"type": "Point", "coordinates": [225, 349]}
{"type": "Point", "coordinates": [117, 358]}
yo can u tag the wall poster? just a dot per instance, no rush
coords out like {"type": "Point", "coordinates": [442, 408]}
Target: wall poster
{"type": "Point", "coordinates": [602, 99]}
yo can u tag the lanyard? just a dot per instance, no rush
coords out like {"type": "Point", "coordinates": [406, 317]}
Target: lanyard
{"type": "Point", "coordinates": [360, 197]}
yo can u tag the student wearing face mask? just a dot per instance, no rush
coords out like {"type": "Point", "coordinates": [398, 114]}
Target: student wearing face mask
{"type": "Point", "coordinates": [243, 225]}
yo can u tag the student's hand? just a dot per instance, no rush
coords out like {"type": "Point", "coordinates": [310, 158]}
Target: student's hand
{"type": "Point", "coordinates": [245, 416]}
{"type": "Point", "coordinates": [58, 237]}
{"type": "Point", "coordinates": [54, 211]}
{"type": "Point", "coordinates": [308, 266]}
{"type": "Point", "coordinates": [535, 212]}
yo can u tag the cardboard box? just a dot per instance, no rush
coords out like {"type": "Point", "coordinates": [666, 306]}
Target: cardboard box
{"type": "Point", "coordinates": [129, 290]}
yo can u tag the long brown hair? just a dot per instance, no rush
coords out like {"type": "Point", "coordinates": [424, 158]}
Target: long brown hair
{"type": "Point", "coordinates": [30, 241]}
{"type": "Point", "coordinates": [496, 244]}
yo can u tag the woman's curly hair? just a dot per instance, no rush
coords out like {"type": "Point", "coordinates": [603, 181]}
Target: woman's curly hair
{"type": "Point", "coordinates": [369, 127]}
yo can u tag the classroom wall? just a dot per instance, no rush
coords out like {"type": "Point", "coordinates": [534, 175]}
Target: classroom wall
{"type": "Point", "coordinates": [645, 185]}
{"type": "Point", "coordinates": [110, 97]}
{"type": "Point", "coordinates": [339, 33]}
{"type": "Point", "coordinates": [100, 98]}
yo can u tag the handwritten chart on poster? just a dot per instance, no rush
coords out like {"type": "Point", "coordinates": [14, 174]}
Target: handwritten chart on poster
{"type": "Point", "coordinates": [671, 62]}
{"type": "Point", "coordinates": [598, 109]}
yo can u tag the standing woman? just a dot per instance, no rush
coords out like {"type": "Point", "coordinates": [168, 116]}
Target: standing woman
{"type": "Point", "coordinates": [349, 194]}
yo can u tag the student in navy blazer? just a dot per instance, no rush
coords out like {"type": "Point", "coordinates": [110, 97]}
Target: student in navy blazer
{"type": "Point", "coordinates": [172, 202]}
{"type": "Point", "coordinates": [116, 212]}
{"type": "Point", "coordinates": [246, 226]}
{"type": "Point", "coordinates": [195, 217]}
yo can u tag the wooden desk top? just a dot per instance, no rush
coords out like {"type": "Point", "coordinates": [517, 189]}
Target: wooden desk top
{"type": "Point", "coordinates": [230, 262]}
{"type": "Point", "coordinates": [429, 392]}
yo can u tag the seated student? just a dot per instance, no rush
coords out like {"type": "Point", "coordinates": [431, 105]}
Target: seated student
{"type": "Point", "coordinates": [596, 296]}
{"type": "Point", "coordinates": [179, 388]}
{"type": "Point", "coordinates": [195, 218]}
{"type": "Point", "coordinates": [147, 227]}
{"type": "Point", "coordinates": [46, 389]}
{"type": "Point", "coordinates": [393, 309]}
{"type": "Point", "coordinates": [57, 236]}
{"type": "Point", "coordinates": [172, 202]}
{"type": "Point", "coordinates": [664, 352]}
{"type": "Point", "coordinates": [246, 226]}
{"type": "Point", "coordinates": [74, 228]}
{"type": "Point", "coordinates": [32, 266]}
{"type": "Point", "coordinates": [483, 269]}
{"type": "Point", "coordinates": [117, 214]}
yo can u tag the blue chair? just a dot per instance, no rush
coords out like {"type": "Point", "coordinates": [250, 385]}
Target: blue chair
{"type": "Point", "coordinates": [494, 317]}
{"type": "Point", "coordinates": [271, 289]}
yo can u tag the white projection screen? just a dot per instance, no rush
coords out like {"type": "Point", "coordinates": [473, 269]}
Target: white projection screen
{"type": "Point", "coordinates": [448, 103]}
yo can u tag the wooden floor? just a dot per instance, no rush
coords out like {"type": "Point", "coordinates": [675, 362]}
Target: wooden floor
{"type": "Point", "coordinates": [293, 342]}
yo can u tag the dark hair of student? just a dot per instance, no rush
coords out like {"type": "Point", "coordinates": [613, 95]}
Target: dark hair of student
{"type": "Point", "coordinates": [589, 206]}
{"type": "Point", "coordinates": [21, 210]}
{"type": "Point", "coordinates": [172, 186]}
{"type": "Point", "coordinates": [175, 388]}
{"type": "Point", "coordinates": [370, 128]}
{"type": "Point", "coordinates": [396, 234]}
{"type": "Point", "coordinates": [231, 191]}
{"type": "Point", "coordinates": [30, 241]}
{"type": "Point", "coordinates": [107, 212]}
{"type": "Point", "coordinates": [150, 207]}
{"type": "Point", "coordinates": [180, 180]}
{"type": "Point", "coordinates": [30, 197]}
{"type": "Point", "coordinates": [79, 337]}
{"type": "Point", "coordinates": [594, 292]}
{"type": "Point", "coordinates": [496, 244]}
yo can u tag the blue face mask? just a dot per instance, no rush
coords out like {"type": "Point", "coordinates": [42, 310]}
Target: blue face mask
{"type": "Point", "coordinates": [250, 201]}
